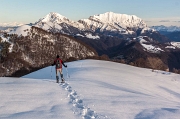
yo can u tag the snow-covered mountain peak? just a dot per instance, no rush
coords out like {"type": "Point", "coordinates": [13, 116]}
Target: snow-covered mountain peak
{"type": "Point", "coordinates": [111, 17]}
{"type": "Point", "coordinates": [115, 18]}
{"type": "Point", "coordinates": [55, 22]}
{"type": "Point", "coordinates": [53, 18]}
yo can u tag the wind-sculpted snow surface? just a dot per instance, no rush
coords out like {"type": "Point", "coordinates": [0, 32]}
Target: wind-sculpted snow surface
{"type": "Point", "coordinates": [95, 90]}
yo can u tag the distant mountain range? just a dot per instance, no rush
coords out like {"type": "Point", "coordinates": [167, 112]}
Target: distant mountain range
{"type": "Point", "coordinates": [108, 29]}
{"type": "Point", "coordinates": [122, 37]}
{"type": "Point", "coordinates": [107, 22]}
{"type": "Point", "coordinates": [162, 28]}
{"type": "Point", "coordinates": [172, 32]}
{"type": "Point", "coordinates": [103, 21]}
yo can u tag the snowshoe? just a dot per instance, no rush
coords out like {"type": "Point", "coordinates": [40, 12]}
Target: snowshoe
{"type": "Point", "coordinates": [63, 81]}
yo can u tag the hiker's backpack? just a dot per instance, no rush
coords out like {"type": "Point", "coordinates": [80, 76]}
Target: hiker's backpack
{"type": "Point", "coordinates": [58, 64]}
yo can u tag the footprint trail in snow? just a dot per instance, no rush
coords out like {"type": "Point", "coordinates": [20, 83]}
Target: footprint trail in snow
{"type": "Point", "coordinates": [78, 106]}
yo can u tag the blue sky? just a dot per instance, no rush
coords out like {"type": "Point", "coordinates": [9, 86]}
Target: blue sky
{"type": "Point", "coordinates": [154, 12]}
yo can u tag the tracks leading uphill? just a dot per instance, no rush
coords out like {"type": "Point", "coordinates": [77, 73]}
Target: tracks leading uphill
{"type": "Point", "coordinates": [79, 108]}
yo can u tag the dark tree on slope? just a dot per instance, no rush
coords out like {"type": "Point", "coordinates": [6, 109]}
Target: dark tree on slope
{"type": "Point", "coordinates": [4, 49]}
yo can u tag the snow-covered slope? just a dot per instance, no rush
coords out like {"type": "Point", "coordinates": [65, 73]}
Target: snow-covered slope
{"type": "Point", "coordinates": [33, 99]}
{"type": "Point", "coordinates": [22, 30]}
{"type": "Point", "coordinates": [148, 46]}
{"type": "Point", "coordinates": [176, 44]}
{"type": "Point", "coordinates": [95, 89]}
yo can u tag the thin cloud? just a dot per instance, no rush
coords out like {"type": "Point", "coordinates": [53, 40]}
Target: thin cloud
{"type": "Point", "coordinates": [148, 21]}
{"type": "Point", "coordinates": [164, 21]}
{"type": "Point", "coordinates": [176, 21]}
{"type": "Point", "coordinates": [169, 21]}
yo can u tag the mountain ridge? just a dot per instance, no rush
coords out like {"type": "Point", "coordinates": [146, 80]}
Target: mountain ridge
{"type": "Point", "coordinates": [106, 21]}
{"type": "Point", "coordinates": [172, 32]}
{"type": "Point", "coordinates": [111, 17]}
{"type": "Point", "coordinates": [115, 35]}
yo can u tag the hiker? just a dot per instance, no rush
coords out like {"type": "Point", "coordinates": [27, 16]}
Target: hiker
{"type": "Point", "coordinates": [58, 62]}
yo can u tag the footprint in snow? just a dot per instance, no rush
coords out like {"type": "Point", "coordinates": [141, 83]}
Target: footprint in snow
{"type": "Point", "coordinates": [78, 106]}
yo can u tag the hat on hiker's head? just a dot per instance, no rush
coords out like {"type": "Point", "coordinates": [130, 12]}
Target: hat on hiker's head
{"type": "Point", "coordinates": [57, 56]}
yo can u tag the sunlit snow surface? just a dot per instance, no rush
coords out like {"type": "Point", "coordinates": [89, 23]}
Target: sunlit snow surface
{"type": "Point", "coordinates": [149, 47]}
{"type": "Point", "coordinates": [95, 89]}
{"type": "Point", "coordinates": [92, 37]}
{"type": "Point", "coordinates": [22, 30]}
{"type": "Point", "coordinates": [176, 44]}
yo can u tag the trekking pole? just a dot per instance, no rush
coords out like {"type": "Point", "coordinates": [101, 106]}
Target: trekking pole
{"type": "Point", "coordinates": [51, 72]}
{"type": "Point", "coordinates": [67, 73]}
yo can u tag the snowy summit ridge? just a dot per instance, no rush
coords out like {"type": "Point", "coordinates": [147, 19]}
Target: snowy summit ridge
{"type": "Point", "coordinates": [54, 22]}
{"type": "Point", "coordinates": [120, 19]}
{"type": "Point", "coordinates": [114, 22]}
{"type": "Point", "coordinates": [54, 18]}
{"type": "Point", "coordinates": [108, 23]}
